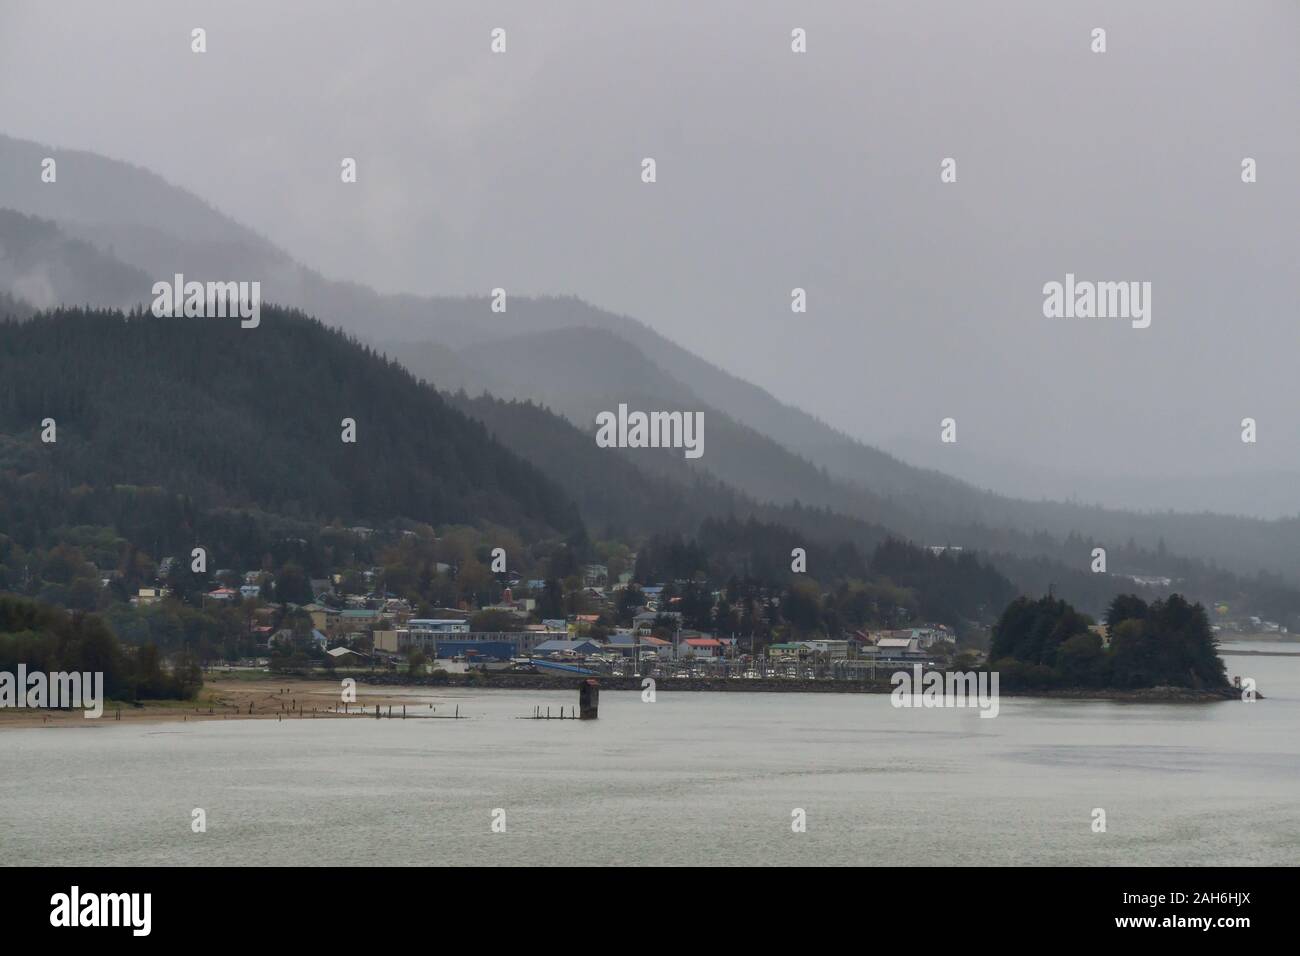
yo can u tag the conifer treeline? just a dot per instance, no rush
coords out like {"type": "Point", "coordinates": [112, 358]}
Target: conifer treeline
{"type": "Point", "coordinates": [1168, 642]}
{"type": "Point", "coordinates": [224, 417]}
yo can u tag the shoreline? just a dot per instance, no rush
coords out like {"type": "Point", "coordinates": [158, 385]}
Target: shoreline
{"type": "Point", "coordinates": [1251, 653]}
{"type": "Point", "coordinates": [787, 686]}
{"type": "Point", "coordinates": [274, 697]}
{"type": "Point", "coordinates": [279, 697]}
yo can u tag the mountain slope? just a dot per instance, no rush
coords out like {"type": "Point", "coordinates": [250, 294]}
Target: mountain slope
{"type": "Point", "coordinates": [618, 496]}
{"type": "Point", "coordinates": [233, 417]}
{"type": "Point", "coordinates": [41, 265]}
{"type": "Point", "coordinates": [12, 307]}
{"type": "Point", "coordinates": [621, 497]}
{"type": "Point", "coordinates": [581, 370]}
{"type": "Point", "coordinates": [934, 506]}
{"type": "Point", "coordinates": [160, 229]}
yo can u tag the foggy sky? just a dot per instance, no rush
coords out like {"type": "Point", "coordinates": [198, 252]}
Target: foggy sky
{"type": "Point", "coordinates": [775, 170]}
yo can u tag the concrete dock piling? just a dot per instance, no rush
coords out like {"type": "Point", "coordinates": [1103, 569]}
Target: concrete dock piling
{"type": "Point", "coordinates": [589, 698]}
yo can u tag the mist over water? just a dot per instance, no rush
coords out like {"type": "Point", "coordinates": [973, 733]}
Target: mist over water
{"type": "Point", "coordinates": [695, 778]}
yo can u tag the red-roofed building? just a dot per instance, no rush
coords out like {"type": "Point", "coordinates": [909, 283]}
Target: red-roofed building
{"type": "Point", "coordinates": [701, 647]}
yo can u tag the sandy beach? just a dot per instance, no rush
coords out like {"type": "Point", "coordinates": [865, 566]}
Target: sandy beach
{"type": "Point", "coordinates": [226, 698]}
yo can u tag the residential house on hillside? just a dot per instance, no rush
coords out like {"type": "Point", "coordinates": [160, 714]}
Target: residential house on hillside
{"type": "Point", "coordinates": [147, 596]}
{"type": "Point", "coordinates": [930, 634]}
{"type": "Point", "coordinates": [645, 621]}
{"type": "Point", "coordinates": [520, 608]}
{"type": "Point", "coordinates": [356, 622]}
{"type": "Point", "coordinates": [322, 618]}
{"type": "Point", "coordinates": [396, 607]}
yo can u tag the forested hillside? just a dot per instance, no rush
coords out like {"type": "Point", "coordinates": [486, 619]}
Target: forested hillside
{"type": "Point", "coordinates": [640, 494]}
{"type": "Point", "coordinates": [760, 445]}
{"type": "Point", "coordinates": [220, 417]}
{"type": "Point", "coordinates": [44, 267]}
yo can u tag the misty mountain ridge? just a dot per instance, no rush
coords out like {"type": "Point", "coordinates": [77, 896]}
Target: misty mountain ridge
{"type": "Point", "coordinates": [42, 266]}
{"type": "Point", "coordinates": [174, 372]}
{"type": "Point", "coordinates": [762, 447]}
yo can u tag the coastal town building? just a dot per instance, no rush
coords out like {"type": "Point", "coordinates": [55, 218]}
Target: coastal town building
{"type": "Point", "coordinates": [786, 649]}
{"type": "Point", "coordinates": [560, 646]}
{"type": "Point", "coordinates": [699, 647]}
{"type": "Point", "coordinates": [897, 649]}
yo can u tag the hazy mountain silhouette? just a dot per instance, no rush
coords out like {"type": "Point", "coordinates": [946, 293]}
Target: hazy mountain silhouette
{"type": "Point", "coordinates": [43, 267]}
{"type": "Point", "coordinates": [579, 359]}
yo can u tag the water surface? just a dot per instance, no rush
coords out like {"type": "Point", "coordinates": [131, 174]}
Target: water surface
{"type": "Point", "coordinates": [694, 778]}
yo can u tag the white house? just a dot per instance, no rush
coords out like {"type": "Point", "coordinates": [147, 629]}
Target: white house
{"type": "Point", "coordinates": [897, 648]}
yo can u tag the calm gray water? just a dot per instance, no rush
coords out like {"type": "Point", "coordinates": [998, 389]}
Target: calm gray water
{"type": "Point", "coordinates": [690, 779]}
